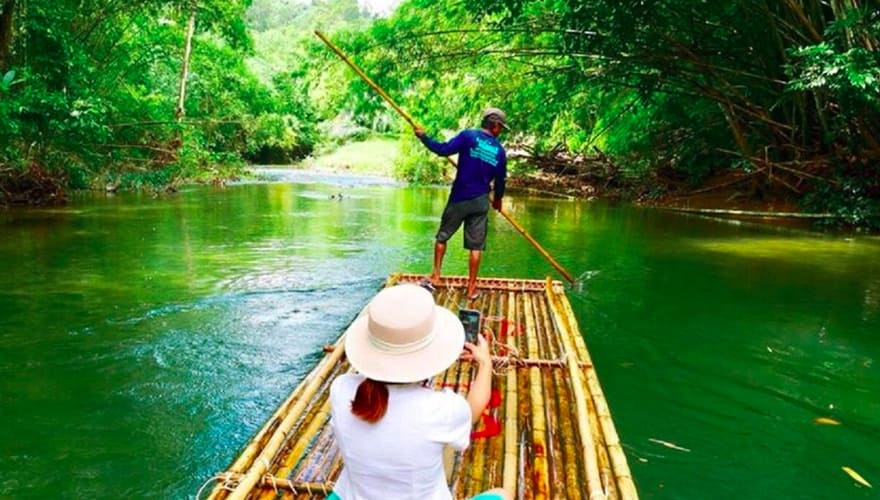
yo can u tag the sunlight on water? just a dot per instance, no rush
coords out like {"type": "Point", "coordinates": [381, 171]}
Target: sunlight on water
{"type": "Point", "coordinates": [794, 249]}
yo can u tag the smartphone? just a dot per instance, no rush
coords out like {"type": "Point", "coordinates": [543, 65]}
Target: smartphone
{"type": "Point", "coordinates": [470, 318]}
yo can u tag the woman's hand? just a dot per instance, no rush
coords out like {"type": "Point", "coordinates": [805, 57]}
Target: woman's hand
{"type": "Point", "coordinates": [481, 384]}
{"type": "Point", "coordinates": [479, 352]}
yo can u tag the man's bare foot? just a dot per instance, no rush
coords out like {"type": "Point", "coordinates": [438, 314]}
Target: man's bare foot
{"type": "Point", "coordinates": [435, 279]}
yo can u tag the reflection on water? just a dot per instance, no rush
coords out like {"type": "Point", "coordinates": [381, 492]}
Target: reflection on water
{"type": "Point", "coordinates": [794, 249]}
{"type": "Point", "coordinates": [143, 341]}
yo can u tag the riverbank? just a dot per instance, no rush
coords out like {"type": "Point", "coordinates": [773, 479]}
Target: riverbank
{"type": "Point", "coordinates": [372, 157]}
{"type": "Point", "coordinates": [721, 192]}
{"type": "Point", "coordinates": [729, 191]}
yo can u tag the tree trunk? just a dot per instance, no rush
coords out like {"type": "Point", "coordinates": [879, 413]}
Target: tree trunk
{"type": "Point", "coordinates": [190, 29]}
{"type": "Point", "coordinates": [7, 7]}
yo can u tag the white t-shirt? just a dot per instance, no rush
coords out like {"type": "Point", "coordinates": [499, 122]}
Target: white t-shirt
{"type": "Point", "coordinates": [401, 455]}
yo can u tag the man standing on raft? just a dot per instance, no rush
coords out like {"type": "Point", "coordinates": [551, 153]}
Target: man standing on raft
{"type": "Point", "coordinates": [481, 159]}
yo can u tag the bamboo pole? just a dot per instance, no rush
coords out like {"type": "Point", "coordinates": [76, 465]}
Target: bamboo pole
{"type": "Point", "coordinates": [246, 458]}
{"type": "Point", "coordinates": [602, 454]}
{"type": "Point", "coordinates": [367, 79]}
{"type": "Point", "coordinates": [575, 468]}
{"type": "Point", "coordinates": [619, 464]}
{"type": "Point", "coordinates": [414, 125]}
{"type": "Point", "coordinates": [575, 478]}
{"type": "Point", "coordinates": [553, 262]}
{"type": "Point", "coordinates": [508, 478]}
{"type": "Point", "coordinates": [316, 420]}
{"type": "Point", "coordinates": [578, 384]}
{"type": "Point", "coordinates": [556, 462]}
{"type": "Point", "coordinates": [496, 443]}
{"type": "Point", "coordinates": [606, 472]}
{"type": "Point", "coordinates": [260, 465]}
{"type": "Point", "coordinates": [539, 424]}
{"type": "Point", "coordinates": [476, 457]}
{"type": "Point", "coordinates": [524, 473]}
{"type": "Point", "coordinates": [320, 458]}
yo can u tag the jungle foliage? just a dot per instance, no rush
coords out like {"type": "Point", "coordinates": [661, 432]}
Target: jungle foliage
{"type": "Point", "coordinates": [662, 96]}
{"type": "Point", "coordinates": [89, 91]}
{"type": "Point", "coordinates": [787, 94]}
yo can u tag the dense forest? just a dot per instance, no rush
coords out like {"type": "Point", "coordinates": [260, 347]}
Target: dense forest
{"type": "Point", "coordinates": [648, 98]}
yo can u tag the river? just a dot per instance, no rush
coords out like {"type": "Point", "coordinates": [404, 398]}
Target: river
{"type": "Point", "coordinates": [144, 340]}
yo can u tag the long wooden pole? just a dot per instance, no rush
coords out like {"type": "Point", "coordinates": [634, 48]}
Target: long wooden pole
{"type": "Point", "coordinates": [413, 124]}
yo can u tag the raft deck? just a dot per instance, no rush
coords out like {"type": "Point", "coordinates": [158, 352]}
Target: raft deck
{"type": "Point", "coordinates": [547, 434]}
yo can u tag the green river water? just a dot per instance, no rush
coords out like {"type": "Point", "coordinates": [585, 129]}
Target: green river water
{"type": "Point", "coordinates": [143, 341]}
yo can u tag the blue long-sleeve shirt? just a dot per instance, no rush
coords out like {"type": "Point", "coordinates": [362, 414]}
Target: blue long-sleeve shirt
{"type": "Point", "coordinates": [481, 159]}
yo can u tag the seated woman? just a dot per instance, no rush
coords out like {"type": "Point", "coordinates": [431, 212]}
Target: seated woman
{"type": "Point", "coordinates": [390, 427]}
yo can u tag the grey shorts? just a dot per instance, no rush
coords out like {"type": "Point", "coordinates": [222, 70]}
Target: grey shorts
{"type": "Point", "coordinates": [474, 214]}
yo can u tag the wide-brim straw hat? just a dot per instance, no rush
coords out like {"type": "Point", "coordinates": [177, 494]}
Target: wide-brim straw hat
{"type": "Point", "coordinates": [403, 336]}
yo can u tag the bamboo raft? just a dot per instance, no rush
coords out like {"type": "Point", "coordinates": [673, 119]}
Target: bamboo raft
{"type": "Point", "coordinates": [547, 433]}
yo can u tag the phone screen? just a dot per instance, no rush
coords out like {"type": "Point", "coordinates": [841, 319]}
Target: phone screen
{"type": "Point", "coordinates": [470, 318]}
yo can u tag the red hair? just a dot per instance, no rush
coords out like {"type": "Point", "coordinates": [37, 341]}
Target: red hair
{"type": "Point", "coordinates": [370, 401]}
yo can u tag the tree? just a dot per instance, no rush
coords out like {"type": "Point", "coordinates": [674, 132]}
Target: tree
{"type": "Point", "coordinates": [7, 11]}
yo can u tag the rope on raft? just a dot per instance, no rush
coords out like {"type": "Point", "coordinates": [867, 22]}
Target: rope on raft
{"type": "Point", "coordinates": [515, 360]}
{"type": "Point", "coordinates": [229, 482]}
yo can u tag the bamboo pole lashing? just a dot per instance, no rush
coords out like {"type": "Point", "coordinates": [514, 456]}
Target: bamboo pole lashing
{"type": "Point", "coordinates": [499, 284]}
{"type": "Point", "coordinates": [284, 484]}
